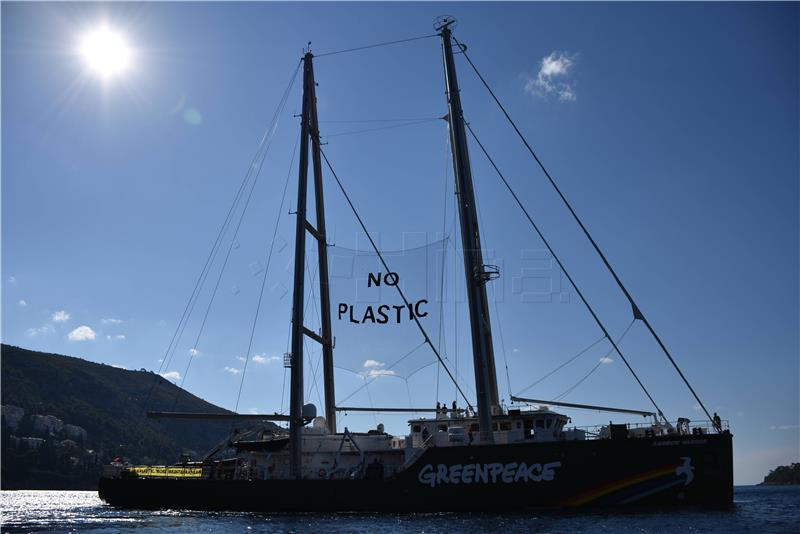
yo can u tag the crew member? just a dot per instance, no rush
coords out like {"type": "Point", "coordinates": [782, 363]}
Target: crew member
{"type": "Point", "coordinates": [717, 422]}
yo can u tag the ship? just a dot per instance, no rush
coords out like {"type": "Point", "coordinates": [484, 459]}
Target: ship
{"type": "Point", "coordinates": [486, 457]}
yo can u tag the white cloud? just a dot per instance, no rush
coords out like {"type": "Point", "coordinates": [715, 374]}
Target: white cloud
{"type": "Point", "coordinates": [82, 333]}
{"type": "Point", "coordinates": [253, 411]}
{"type": "Point", "coordinates": [172, 375]}
{"type": "Point", "coordinates": [118, 337]}
{"type": "Point", "coordinates": [119, 366]}
{"type": "Point", "coordinates": [23, 302]}
{"type": "Point", "coordinates": [264, 359]}
{"type": "Point", "coordinates": [241, 358]}
{"type": "Point", "coordinates": [373, 363]}
{"type": "Point", "coordinates": [606, 360]}
{"type": "Point", "coordinates": [41, 331]}
{"type": "Point", "coordinates": [515, 349]}
{"type": "Point", "coordinates": [194, 352]}
{"type": "Point", "coordinates": [12, 280]}
{"type": "Point", "coordinates": [379, 372]}
{"type": "Point", "coordinates": [233, 370]}
{"type": "Point", "coordinates": [554, 77]}
{"type": "Point", "coordinates": [784, 427]}
{"type": "Point", "coordinates": [60, 316]}
{"type": "Point", "coordinates": [111, 321]}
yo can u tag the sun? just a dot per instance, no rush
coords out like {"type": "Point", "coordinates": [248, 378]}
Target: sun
{"type": "Point", "coordinates": [105, 52]}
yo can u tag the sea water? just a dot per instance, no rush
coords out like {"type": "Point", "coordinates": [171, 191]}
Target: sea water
{"type": "Point", "coordinates": [759, 509]}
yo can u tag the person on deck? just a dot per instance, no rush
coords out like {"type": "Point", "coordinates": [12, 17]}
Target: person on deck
{"type": "Point", "coordinates": [717, 422]}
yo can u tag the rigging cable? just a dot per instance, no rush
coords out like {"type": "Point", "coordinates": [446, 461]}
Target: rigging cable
{"type": "Point", "coordinates": [375, 45]}
{"type": "Point", "coordinates": [637, 312]}
{"type": "Point", "coordinates": [455, 281]}
{"type": "Point", "coordinates": [386, 266]}
{"type": "Point", "coordinates": [554, 371]}
{"type": "Point", "coordinates": [312, 300]}
{"type": "Point", "coordinates": [444, 262]}
{"type": "Point", "coordinates": [406, 355]}
{"type": "Point", "coordinates": [597, 365]}
{"type": "Point", "coordinates": [379, 128]}
{"type": "Point", "coordinates": [209, 259]}
{"type": "Point", "coordinates": [564, 270]}
{"type": "Point", "coordinates": [260, 164]}
{"type": "Point", "coordinates": [499, 321]}
{"type": "Point", "coordinates": [361, 121]}
{"type": "Point", "coordinates": [264, 278]}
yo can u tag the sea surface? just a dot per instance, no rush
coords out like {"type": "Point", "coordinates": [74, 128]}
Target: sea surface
{"type": "Point", "coordinates": [759, 509]}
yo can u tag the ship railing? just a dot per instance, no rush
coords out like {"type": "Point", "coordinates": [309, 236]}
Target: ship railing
{"type": "Point", "coordinates": [694, 428]}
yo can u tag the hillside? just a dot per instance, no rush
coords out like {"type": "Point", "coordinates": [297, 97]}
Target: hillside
{"type": "Point", "coordinates": [783, 475]}
{"type": "Point", "coordinates": [64, 417]}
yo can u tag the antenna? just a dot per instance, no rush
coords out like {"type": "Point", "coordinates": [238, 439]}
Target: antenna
{"type": "Point", "coordinates": [444, 21]}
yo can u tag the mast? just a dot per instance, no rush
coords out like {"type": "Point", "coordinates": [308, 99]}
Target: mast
{"type": "Point", "coordinates": [476, 273]}
{"type": "Point", "coordinates": [309, 131]}
{"type": "Point", "coordinates": [322, 253]}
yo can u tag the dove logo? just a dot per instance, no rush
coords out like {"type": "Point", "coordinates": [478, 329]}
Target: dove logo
{"type": "Point", "coordinates": [686, 470]}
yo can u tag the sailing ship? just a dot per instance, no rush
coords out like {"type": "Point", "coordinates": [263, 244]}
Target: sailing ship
{"type": "Point", "coordinates": [488, 457]}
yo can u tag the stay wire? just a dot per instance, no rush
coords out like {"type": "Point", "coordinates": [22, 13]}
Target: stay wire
{"type": "Point", "coordinates": [637, 312]}
{"type": "Point", "coordinates": [406, 355]}
{"type": "Point", "coordinates": [209, 259]}
{"type": "Point", "coordinates": [376, 45]}
{"type": "Point", "coordinates": [444, 256]}
{"type": "Point", "coordinates": [597, 365]}
{"type": "Point", "coordinates": [257, 173]}
{"type": "Point", "coordinates": [498, 322]}
{"type": "Point", "coordinates": [386, 266]}
{"type": "Point", "coordinates": [564, 270]}
{"type": "Point", "coordinates": [264, 277]}
{"type": "Point", "coordinates": [554, 371]}
{"type": "Point", "coordinates": [361, 121]}
{"type": "Point", "coordinates": [379, 128]}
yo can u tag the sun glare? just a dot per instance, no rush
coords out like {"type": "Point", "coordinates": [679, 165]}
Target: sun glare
{"type": "Point", "coordinates": [105, 52]}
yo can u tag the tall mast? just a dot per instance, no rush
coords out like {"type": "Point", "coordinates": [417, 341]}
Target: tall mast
{"type": "Point", "coordinates": [322, 253]}
{"type": "Point", "coordinates": [476, 273]}
{"type": "Point", "coordinates": [309, 131]}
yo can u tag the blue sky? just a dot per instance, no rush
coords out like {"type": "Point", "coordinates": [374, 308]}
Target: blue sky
{"type": "Point", "coordinates": [673, 129]}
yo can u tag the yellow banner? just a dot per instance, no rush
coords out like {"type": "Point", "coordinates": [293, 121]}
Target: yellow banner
{"type": "Point", "coordinates": [166, 471]}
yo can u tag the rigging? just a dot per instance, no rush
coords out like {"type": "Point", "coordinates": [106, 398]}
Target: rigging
{"type": "Point", "coordinates": [600, 362]}
{"type": "Point", "coordinates": [375, 45]}
{"type": "Point", "coordinates": [564, 270]}
{"type": "Point", "coordinates": [637, 312]}
{"type": "Point", "coordinates": [188, 308]}
{"type": "Point", "coordinates": [257, 173]}
{"type": "Point", "coordinates": [386, 266]}
{"type": "Point", "coordinates": [264, 278]}
{"type": "Point", "coordinates": [570, 360]}
{"type": "Point", "coordinates": [379, 128]}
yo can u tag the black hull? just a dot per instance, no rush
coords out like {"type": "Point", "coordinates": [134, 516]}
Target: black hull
{"type": "Point", "coordinates": [674, 471]}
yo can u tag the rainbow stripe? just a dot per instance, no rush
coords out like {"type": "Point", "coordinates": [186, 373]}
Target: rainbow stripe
{"type": "Point", "coordinates": [617, 486]}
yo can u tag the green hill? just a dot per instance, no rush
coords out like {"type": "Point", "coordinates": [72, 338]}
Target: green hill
{"type": "Point", "coordinates": [783, 475]}
{"type": "Point", "coordinates": [63, 418]}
